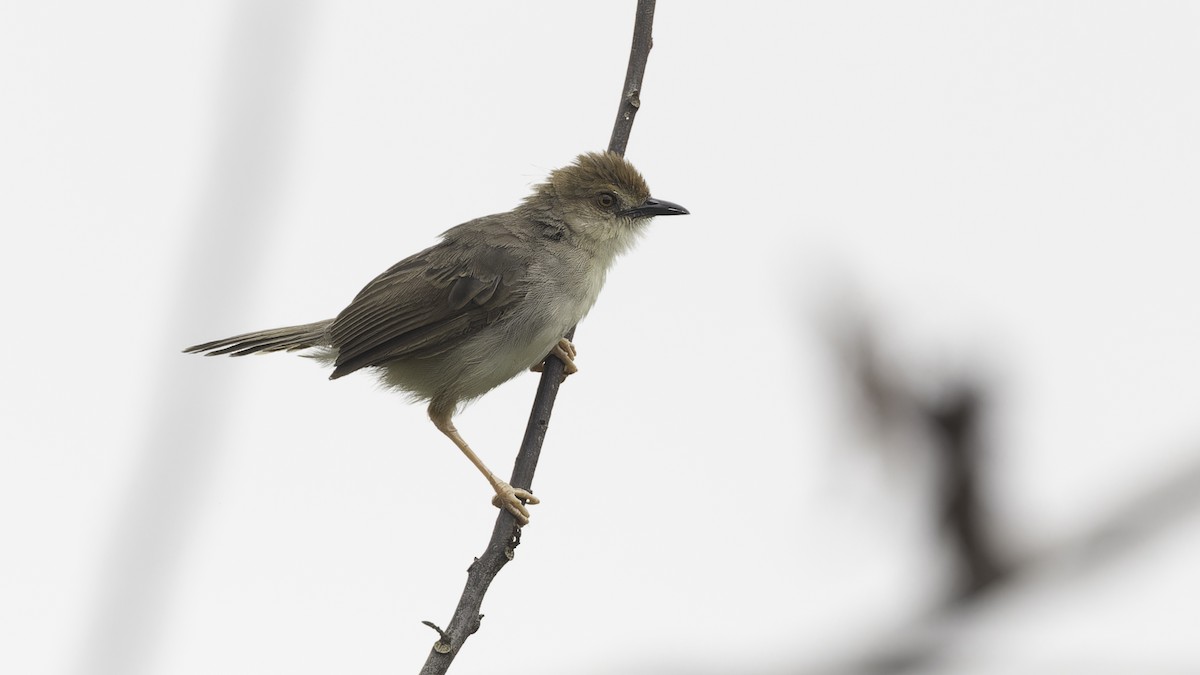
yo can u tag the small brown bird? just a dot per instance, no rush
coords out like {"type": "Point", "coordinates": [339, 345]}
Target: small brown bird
{"type": "Point", "coordinates": [491, 300]}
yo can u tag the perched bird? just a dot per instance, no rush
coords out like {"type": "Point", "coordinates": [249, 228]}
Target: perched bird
{"type": "Point", "coordinates": [492, 299]}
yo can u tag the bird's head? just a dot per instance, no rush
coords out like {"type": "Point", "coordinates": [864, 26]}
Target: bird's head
{"type": "Point", "coordinates": [602, 199]}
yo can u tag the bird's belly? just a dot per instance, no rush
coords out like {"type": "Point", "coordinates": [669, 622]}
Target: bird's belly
{"type": "Point", "coordinates": [523, 339]}
{"type": "Point", "coordinates": [509, 351]}
{"type": "Point", "coordinates": [501, 351]}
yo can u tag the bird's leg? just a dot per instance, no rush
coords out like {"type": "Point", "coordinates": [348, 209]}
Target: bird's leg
{"type": "Point", "coordinates": [507, 497]}
{"type": "Point", "coordinates": [565, 352]}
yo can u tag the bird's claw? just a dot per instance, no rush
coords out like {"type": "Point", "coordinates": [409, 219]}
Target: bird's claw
{"type": "Point", "coordinates": [514, 500]}
{"type": "Point", "coordinates": [564, 351]}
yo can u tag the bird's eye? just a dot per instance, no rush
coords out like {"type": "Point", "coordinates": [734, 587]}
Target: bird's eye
{"type": "Point", "coordinates": [606, 200]}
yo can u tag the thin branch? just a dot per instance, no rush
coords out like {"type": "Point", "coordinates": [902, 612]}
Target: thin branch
{"type": "Point", "coordinates": [506, 535]}
{"type": "Point", "coordinates": [952, 420]}
{"type": "Point", "coordinates": [956, 425]}
{"type": "Point", "coordinates": [631, 95]}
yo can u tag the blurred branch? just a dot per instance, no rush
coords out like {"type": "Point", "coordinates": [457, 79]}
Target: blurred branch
{"type": "Point", "coordinates": [922, 644]}
{"type": "Point", "coordinates": [952, 420]}
{"type": "Point", "coordinates": [180, 446]}
{"type": "Point", "coordinates": [955, 424]}
{"type": "Point", "coordinates": [1129, 525]}
{"type": "Point", "coordinates": [506, 534]}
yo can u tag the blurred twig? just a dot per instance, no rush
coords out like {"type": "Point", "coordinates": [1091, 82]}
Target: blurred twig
{"type": "Point", "coordinates": [180, 443]}
{"type": "Point", "coordinates": [955, 423]}
{"type": "Point", "coordinates": [952, 420]}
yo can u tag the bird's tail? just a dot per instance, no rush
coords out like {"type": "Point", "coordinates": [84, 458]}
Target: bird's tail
{"type": "Point", "coordinates": [289, 339]}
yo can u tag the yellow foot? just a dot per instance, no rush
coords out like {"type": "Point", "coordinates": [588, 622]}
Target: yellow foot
{"type": "Point", "coordinates": [565, 352]}
{"type": "Point", "coordinates": [509, 498]}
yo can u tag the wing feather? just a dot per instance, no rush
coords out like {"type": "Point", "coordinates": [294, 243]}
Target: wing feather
{"type": "Point", "coordinates": [428, 303]}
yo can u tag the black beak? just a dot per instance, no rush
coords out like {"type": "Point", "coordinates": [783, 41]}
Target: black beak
{"type": "Point", "coordinates": [654, 207]}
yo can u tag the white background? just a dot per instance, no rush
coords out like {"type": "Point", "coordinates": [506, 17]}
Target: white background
{"type": "Point", "coordinates": [1002, 187]}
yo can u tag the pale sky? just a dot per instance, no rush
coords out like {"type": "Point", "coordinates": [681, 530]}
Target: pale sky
{"type": "Point", "coordinates": [1003, 187]}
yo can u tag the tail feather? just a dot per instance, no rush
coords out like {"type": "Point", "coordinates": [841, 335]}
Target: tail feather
{"type": "Point", "coordinates": [288, 339]}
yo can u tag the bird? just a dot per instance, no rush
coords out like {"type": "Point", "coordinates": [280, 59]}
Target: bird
{"type": "Point", "coordinates": [492, 299]}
